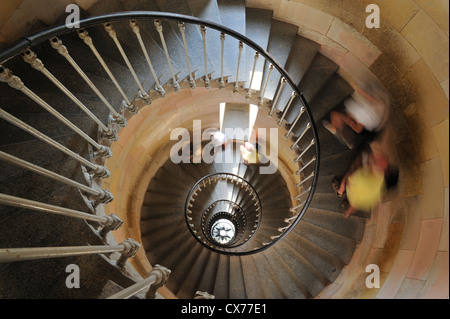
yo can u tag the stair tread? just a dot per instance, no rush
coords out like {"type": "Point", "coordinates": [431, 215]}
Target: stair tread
{"type": "Point", "coordinates": [338, 245]}
{"type": "Point", "coordinates": [313, 280]}
{"type": "Point", "coordinates": [258, 24]}
{"type": "Point", "coordinates": [352, 228]}
{"type": "Point", "coordinates": [237, 283]}
{"type": "Point", "coordinates": [319, 71]}
{"type": "Point", "coordinates": [328, 264]}
{"type": "Point", "coordinates": [232, 15]}
{"type": "Point", "coordinates": [282, 36]}
{"type": "Point", "coordinates": [300, 58]}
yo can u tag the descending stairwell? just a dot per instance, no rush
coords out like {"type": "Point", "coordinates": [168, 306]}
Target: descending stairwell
{"type": "Point", "coordinates": [301, 265]}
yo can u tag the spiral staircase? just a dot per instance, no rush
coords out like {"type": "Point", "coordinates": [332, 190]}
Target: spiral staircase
{"type": "Point", "coordinates": [288, 242]}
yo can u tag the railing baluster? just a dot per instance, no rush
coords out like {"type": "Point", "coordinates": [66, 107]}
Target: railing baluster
{"type": "Point", "coordinates": [286, 109]}
{"type": "Point", "coordinates": [261, 102]}
{"type": "Point", "coordinates": [83, 34]}
{"type": "Point", "coordinates": [306, 165]}
{"type": "Point", "coordinates": [102, 196]}
{"type": "Point", "coordinates": [283, 229]}
{"type": "Point", "coordinates": [236, 84]}
{"type": "Point", "coordinates": [31, 58]}
{"type": "Point", "coordinates": [113, 34]}
{"type": "Point", "coordinates": [249, 92]}
{"type": "Point", "coordinates": [16, 83]}
{"type": "Point", "coordinates": [308, 126]}
{"type": "Point", "coordinates": [305, 180]}
{"type": "Point", "coordinates": [275, 100]}
{"type": "Point", "coordinates": [135, 27]}
{"type": "Point", "coordinates": [159, 28]}
{"type": "Point", "coordinates": [62, 50]}
{"type": "Point", "coordinates": [97, 170]}
{"type": "Point", "coordinates": [109, 223]}
{"type": "Point", "coordinates": [290, 219]}
{"type": "Point", "coordinates": [128, 248]}
{"type": "Point", "coordinates": [301, 194]}
{"type": "Point", "coordinates": [156, 278]}
{"type": "Point", "coordinates": [302, 110]}
{"type": "Point", "coordinates": [182, 27]}
{"type": "Point", "coordinates": [222, 40]}
{"type": "Point", "coordinates": [205, 57]}
{"type": "Point", "coordinates": [305, 150]}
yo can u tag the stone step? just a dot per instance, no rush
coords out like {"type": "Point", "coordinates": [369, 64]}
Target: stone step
{"type": "Point", "coordinates": [288, 281]}
{"type": "Point", "coordinates": [328, 265]}
{"type": "Point", "coordinates": [222, 278]}
{"type": "Point", "coordinates": [207, 281]}
{"type": "Point", "coordinates": [352, 228]}
{"type": "Point", "coordinates": [281, 40]}
{"type": "Point", "coordinates": [253, 287]}
{"type": "Point", "coordinates": [194, 274]}
{"type": "Point", "coordinates": [232, 15]}
{"type": "Point", "coordinates": [319, 71]}
{"type": "Point", "coordinates": [237, 283]}
{"type": "Point", "coordinates": [300, 58]}
{"type": "Point", "coordinates": [209, 10]}
{"type": "Point", "coordinates": [193, 37]}
{"type": "Point", "coordinates": [337, 245]}
{"type": "Point", "coordinates": [268, 278]}
{"type": "Point", "coordinates": [308, 275]}
{"type": "Point", "coordinates": [258, 23]}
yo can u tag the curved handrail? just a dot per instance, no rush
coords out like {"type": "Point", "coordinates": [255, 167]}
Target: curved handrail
{"type": "Point", "coordinates": [22, 44]}
{"type": "Point", "coordinates": [188, 199]}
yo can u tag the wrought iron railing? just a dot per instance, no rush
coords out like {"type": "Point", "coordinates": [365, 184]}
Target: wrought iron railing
{"type": "Point", "coordinates": [243, 214]}
{"type": "Point", "coordinates": [130, 106]}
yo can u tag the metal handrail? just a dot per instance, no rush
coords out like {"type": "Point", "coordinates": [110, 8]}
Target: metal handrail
{"type": "Point", "coordinates": [189, 199]}
{"type": "Point", "coordinates": [21, 45]}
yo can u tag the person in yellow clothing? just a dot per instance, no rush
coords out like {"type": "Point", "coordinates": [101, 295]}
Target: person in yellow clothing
{"type": "Point", "coordinates": [365, 188]}
{"type": "Point", "coordinates": [368, 179]}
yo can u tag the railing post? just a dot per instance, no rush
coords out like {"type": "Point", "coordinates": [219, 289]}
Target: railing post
{"type": "Point", "coordinates": [109, 223]}
{"type": "Point", "coordinates": [301, 194]}
{"type": "Point", "coordinates": [203, 295]}
{"type": "Point", "coordinates": [275, 100]}
{"type": "Point", "coordinates": [302, 110]}
{"type": "Point", "coordinates": [236, 84]}
{"type": "Point", "coordinates": [305, 180]}
{"type": "Point", "coordinates": [305, 150]}
{"type": "Point", "coordinates": [308, 126]}
{"type": "Point", "coordinates": [62, 50]}
{"type": "Point", "coordinates": [31, 58]}
{"type": "Point", "coordinates": [112, 33]}
{"type": "Point", "coordinates": [182, 27]}
{"type": "Point", "coordinates": [135, 27]}
{"type": "Point", "coordinates": [102, 196]}
{"type": "Point", "coordinates": [162, 274]}
{"type": "Point", "coordinates": [83, 35]}
{"type": "Point", "coordinates": [159, 28]}
{"type": "Point", "coordinates": [249, 92]}
{"type": "Point", "coordinates": [261, 98]}
{"type": "Point", "coordinates": [306, 165]}
{"type": "Point", "coordinates": [97, 170]}
{"type": "Point", "coordinates": [22, 254]}
{"type": "Point", "coordinates": [222, 40]}
{"type": "Point", "coordinates": [288, 106]}
{"type": "Point", "coordinates": [155, 279]}
{"type": "Point", "coordinates": [205, 57]}
{"type": "Point", "coordinates": [112, 223]}
{"type": "Point", "coordinates": [16, 83]}
{"type": "Point", "coordinates": [131, 248]}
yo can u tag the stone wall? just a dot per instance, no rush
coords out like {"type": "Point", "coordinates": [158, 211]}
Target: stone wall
{"type": "Point", "coordinates": [407, 236]}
